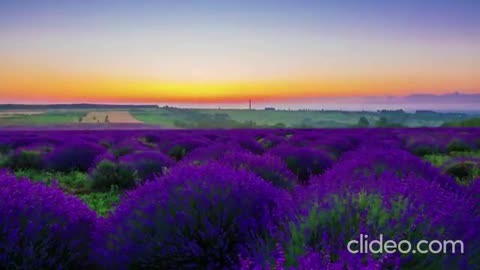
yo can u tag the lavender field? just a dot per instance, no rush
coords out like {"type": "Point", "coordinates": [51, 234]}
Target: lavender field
{"type": "Point", "coordinates": [236, 199]}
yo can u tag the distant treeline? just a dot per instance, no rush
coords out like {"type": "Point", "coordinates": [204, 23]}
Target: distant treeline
{"type": "Point", "coordinates": [81, 106]}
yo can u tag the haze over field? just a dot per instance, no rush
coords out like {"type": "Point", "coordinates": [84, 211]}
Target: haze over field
{"type": "Point", "coordinates": [448, 102]}
{"type": "Point", "coordinates": [215, 53]}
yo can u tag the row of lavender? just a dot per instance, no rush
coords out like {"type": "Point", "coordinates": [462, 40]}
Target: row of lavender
{"type": "Point", "coordinates": [237, 199]}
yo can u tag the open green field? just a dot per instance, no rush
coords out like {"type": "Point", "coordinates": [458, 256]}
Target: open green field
{"type": "Point", "coordinates": [170, 117]}
{"type": "Point", "coordinates": [46, 118]}
{"type": "Point", "coordinates": [198, 118]}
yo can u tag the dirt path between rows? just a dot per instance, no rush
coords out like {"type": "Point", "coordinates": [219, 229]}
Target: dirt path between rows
{"type": "Point", "coordinates": [110, 117]}
{"type": "Point", "coordinates": [14, 113]}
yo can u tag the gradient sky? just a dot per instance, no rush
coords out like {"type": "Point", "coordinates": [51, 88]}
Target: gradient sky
{"type": "Point", "coordinates": [229, 51]}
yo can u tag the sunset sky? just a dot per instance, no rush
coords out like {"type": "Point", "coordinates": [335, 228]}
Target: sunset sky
{"type": "Point", "coordinates": [231, 51]}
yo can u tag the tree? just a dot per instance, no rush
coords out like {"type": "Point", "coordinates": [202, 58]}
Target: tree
{"type": "Point", "coordinates": [381, 122]}
{"type": "Point", "coordinates": [363, 122]}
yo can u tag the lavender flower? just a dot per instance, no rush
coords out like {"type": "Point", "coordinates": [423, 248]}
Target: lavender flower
{"type": "Point", "coordinates": [41, 227]}
{"type": "Point", "coordinates": [196, 217]}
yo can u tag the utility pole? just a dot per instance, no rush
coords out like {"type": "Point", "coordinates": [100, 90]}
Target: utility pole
{"type": "Point", "coordinates": [250, 104]}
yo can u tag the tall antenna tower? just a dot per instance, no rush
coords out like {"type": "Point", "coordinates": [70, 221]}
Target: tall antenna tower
{"type": "Point", "coordinates": [250, 104]}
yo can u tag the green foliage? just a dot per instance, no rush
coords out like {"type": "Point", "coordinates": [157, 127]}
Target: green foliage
{"type": "Point", "coordinates": [121, 151]}
{"type": "Point", "coordinates": [383, 122]}
{"type": "Point", "coordinates": [243, 118]}
{"type": "Point", "coordinates": [147, 142]}
{"type": "Point", "coordinates": [23, 160]}
{"type": "Point", "coordinates": [51, 117]}
{"type": "Point", "coordinates": [436, 159]}
{"type": "Point", "coordinates": [464, 172]}
{"type": "Point", "coordinates": [423, 150]}
{"type": "Point", "coordinates": [473, 122]}
{"type": "Point", "coordinates": [77, 183]}
{"type": "Point", "coordinates": [102, 202]}
{"type": "Point", "coordinates": [363, 122]}
{"type": "Point", "coordinates": [457, 145]}
{"type": "Point", "coordinates": [108, 174]}
{"type": "Point", "coordinates": [343, 220]}
{"type": "Point", "coordinates": [465, 154]}
{"type": "Point", "coordinates": [177, 152]}
{"type": "Point", "coordinates": [73, 182]}
{"type": "Point", "coordinates": [180, 123]}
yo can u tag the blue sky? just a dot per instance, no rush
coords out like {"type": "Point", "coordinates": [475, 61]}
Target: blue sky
{"type": "Point", "coordinates": [141, 50]}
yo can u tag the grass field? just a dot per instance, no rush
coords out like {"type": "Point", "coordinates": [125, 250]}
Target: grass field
{"type": "Point", "coordinates": [47, 118]}
{"type": "Point", "coordinates": [169, 117]}
{"type": "Point", "coordinates": [156, 117]}
{"type": "Point", "coordinates": [290, 118]}
{"type": "Point", "coordinates": [173, 117]}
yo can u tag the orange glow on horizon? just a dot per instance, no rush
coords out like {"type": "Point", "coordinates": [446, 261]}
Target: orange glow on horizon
{"type": "Point", "coordinates": [55, 87]}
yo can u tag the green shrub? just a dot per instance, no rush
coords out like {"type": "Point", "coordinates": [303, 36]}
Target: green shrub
{"type": "Point", "coordinates": [121, 151]}
{"type": "Point", "coordinates": [458, 145]}
{"type": "Point", "coordinates": [108, 173]}
{"type": "Point", "coordinates": [24, 160]}
{"type": "Point", "coordinates": [328, 226]}
{"type": "Point", "coordinates": [464, 172]}
{"type": "Point", "coordinates": [436, 160]}
{"type": "Point", "coordinates": [102, 202]}
{"type": "Point", "coordinates": [423, 150]}
{"type": "Point", "coordinates": [177, 152]}
{"type": "Point", "coordinates": [72, 181]}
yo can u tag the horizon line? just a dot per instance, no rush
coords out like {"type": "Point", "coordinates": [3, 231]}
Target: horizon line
{"type": "Point", "coordinates": [236, 101]}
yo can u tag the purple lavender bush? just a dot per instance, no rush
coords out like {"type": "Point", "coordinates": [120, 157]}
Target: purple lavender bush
{"type": "Point", "coordinates": [73, 156]}
{"type": "Point", "coordinates": [195, 217]}
{"type": "Point", "coordinates": [319, 240]}
{"type": "Point", "coordinates": [304, 162]}
{"type": "Point", "coordinates": [423, 144]}
{"type": "Point", "coordinates": [251, 145]}
{"type": "Point", "coordinates": [463, 169]}
{"type": "Point", "coordinates": [409, 208]}
{"type": "Point", "coordinates": [128, 146]}
{"type": "Point", "coordinates": [448, 210]}
{"type": "Point", "coordinates": [41, 227]}
{"type": "Point", "coordinates": [473, 194]}
{"type": "Point", "coordinates": [213, 152]}
{"type": "Point", "coordinates": [178, 148]}
{"type": "Point", "coordinates": [268, 167]}
{"type": "Point", "coordinates": [144, 165]}
{"type": "Point", "coordinates": [270, 141]}
{"type": "Point", "coordinates": [459, 145]}
{"type": "Point", "coordinates": [369, 161]}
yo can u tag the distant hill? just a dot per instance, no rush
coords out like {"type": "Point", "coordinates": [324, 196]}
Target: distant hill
{"type": "Point", "coordinates": [80, 106]}
{"type": "Point", "coordinates": [446, 98]}
{"type": "Point", "coordinates": [455, 97]}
